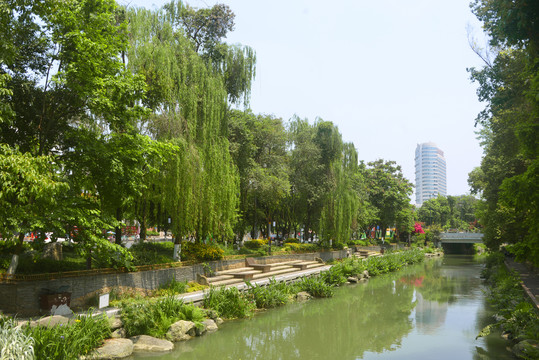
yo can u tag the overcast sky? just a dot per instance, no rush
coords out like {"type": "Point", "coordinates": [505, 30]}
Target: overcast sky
{"type": "Point", "coordinates": [389, 73]}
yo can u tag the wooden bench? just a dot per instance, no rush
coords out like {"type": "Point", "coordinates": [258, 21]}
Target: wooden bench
{"type": "Point", "coordinates": [251, 263]}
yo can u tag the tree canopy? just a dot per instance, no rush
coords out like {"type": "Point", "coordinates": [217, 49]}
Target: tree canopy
{"type": "Point", "coordinates": [507, 179]}
{"type": "Point", "coordinates": [112, 115]}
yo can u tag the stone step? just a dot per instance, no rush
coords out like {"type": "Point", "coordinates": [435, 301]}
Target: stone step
{"type": "Point", "coordinates": [224, 272]}
{"type": "Point", "coordinates": [226, 282]}
{"type": "Point", "coordinates": [312, 266]}
{"type": "Point", "coordinates": [219, 278]}
{"type": "Point", "coordinates": [277, 272]}
{"type": "Point", "coordinates": [286, 263]}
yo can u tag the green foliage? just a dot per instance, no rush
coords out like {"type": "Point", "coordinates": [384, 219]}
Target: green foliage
{"type": "Point", "coordinates": [254, 244]}
{"type": "Point", "coordinates": [14, 343]}
{"type": "Point", "coordinates": [29, 264]}
{"type": "Point", "coordinates": [69, 341]}
{"type": "Point", "coordinates": [352, 267]}
{"type": "Point", "coordinates": [455, 212]}
{"type": "Point", "coordinates": [300, 248]}
{"type": "Point", "coordinates": [292, 241]}
{"type": "Point", "coordinates": [518, 316]}
{"type": "Point", "coordinates": [146, 253]}
{"type": "Point", "coordinates": [334, 276]}
{"type": "Point", "coordinates": [229, 303]}
{"type": "Point", "coordinates": [389, 192]}
{"type": "Point", "coordinates": [30, 187]}
{"type": "Point", "coordinates": [201, 251]}
{"type": "Point", "coordinates": [316, 286]}
{"type": "Point", "coordinates": [508, 84]}
{"type": "Point", "coordinates": [269, 296]}
{"type": "Point", "coordinates": [154, 317]}
{"type": "Point", "coordinates": [172, 287]}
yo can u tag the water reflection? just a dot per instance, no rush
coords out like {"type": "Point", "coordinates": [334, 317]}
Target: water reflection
{"type": "Point", "coordinates": [425, 311]}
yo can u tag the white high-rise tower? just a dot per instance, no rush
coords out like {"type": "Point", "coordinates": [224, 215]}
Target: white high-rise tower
{"type": "Point", "coordinates": [430, 172]}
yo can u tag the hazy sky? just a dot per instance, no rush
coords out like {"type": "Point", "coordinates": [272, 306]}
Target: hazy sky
{"type": "Point", "coordinates": [389, 74]}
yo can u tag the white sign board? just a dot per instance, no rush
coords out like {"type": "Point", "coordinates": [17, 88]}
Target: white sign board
{"type": "Point", "coordinates": [103, 300]}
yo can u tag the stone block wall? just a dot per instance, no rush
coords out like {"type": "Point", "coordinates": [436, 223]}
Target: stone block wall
{"type": "Point", "coordinates": [22, 297]}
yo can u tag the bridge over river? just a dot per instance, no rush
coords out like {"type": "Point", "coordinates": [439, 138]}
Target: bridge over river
{"type": "Point", "coordinates": [460, 243]}
{"type": "Point", "coordinates": [461, 238]}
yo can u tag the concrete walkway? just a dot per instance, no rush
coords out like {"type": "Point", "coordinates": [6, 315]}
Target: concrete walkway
{"type": "Point", "coordinates": [197, 297]}
{"type": "Point", "coordinates": [529, 276]}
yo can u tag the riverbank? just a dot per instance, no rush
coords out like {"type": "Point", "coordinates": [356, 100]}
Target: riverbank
{"type": "Point", "coordinates": [529, 277]}
{"type": "Point", "coordinates": [254, 298]}
{"type": "Point", "coordinates": [511, 288]}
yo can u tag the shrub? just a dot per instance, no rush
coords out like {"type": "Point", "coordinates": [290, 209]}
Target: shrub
{"type": "Point", "coordinates": [292, 241]}
{"type": "Point", "coordinates": [148, 253]}
{"type": "Point", "coordinates": [245, 251]}
{"type": "Point", "coordinates": [516, 314]}
{"type": "Point", "coordinates": [300, 248]}
{"type": "Point", "coordinates": [334, 276]}
{"type": "Point", "coordinates": [229, 303]}
{"type": "Point", "coordinates": [254, 244]}
{"type": "Point", "coordinates": [201, 252]}
{"type": "Point", "coordinates": [154, 317]}
{"type": "Point", "coordinates": [269, 296]}
{"type": "Point", "coordinates": [172, 287]}
{"type": "Point", "coordinates": [292, 247]}
{"type": "Point", "coordinates": [14, 343]}
{"type": "Point", "coordinates": [315, 286]}
{"type": "Point", "coordinates": [69, 341]}
{"type": "Point", "coordinates": [352, 267]}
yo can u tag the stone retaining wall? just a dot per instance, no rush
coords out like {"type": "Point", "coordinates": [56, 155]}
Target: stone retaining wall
{"type": "Point", "coordinates": [22, 297]}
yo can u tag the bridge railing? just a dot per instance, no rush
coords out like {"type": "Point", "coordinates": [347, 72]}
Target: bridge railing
{"type": "Point", "coordinates": [474, 236]}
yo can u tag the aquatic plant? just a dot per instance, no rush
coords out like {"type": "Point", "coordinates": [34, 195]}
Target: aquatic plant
{"type": "Point", "coordinates": [229, 303]}
{"type": "Point", "coordinates": [154, 317]}
{"type": "Point", "coordinates": [69, 341]}
{"type": "Point", "coordinates": [269, 296]}
{"type": "Point", "coordinates": [14, 343]}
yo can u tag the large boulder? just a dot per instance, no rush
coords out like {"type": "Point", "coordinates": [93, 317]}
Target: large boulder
{"type": "Point", "coordinates": [181, 330]}
{"type": "Point", "coordinates": [303, 296]}
{"type": "Point", "coordinates": [352, 279]}
{"type": "Point", "coordinates": [118, 333]}
{"type": "Point", "coordinates": [51, 321]}
{"type": "Point", "coordinates": [149, 343]}
{"type": "Point", "coordinates": [115, 322]}
{"type": "Point", "coordinates": [112, 349]}
{"type": "Point", "coordinates": [210, 325]}
{"type": "Point", "coordinates": [526, 349]}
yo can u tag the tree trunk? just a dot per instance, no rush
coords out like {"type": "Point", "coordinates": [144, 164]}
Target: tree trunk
{"type": "Point", "coordinates": [177, 249]}
{"type": "Point", "coordinates": [118, 230]}
{"type": "Point", "coordinates": [12, 269]}
{"type": "Point", "coordinates": [142, 221]}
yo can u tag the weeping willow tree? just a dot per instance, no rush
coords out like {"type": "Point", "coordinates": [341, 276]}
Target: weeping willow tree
{"type": "Point", "coordinates": [198, 186]}
{"type": "Point", "coordinates": [341, 205]}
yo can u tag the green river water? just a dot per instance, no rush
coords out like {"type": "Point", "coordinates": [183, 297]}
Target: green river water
{"type": "Point", "coordinates": [428, 311]}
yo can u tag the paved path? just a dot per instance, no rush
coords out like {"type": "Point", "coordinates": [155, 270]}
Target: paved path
{"type": "Point", "coordinates": [529, 276]}
{"type": "Point", "coordinates": [197, 297]}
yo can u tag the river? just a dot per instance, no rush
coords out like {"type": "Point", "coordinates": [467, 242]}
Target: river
{"type": "Point", "coordinates": [429, 311]}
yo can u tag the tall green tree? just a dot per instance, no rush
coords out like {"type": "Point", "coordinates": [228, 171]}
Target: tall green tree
{"type": "Point", "coordinates": [388, 191]}
{"type": "Point", "coordinates": [507, 178]}
{"type": "Point", "coordinates": [188, 102]}
{"type": "Point", "coordinates": [62, 73]}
